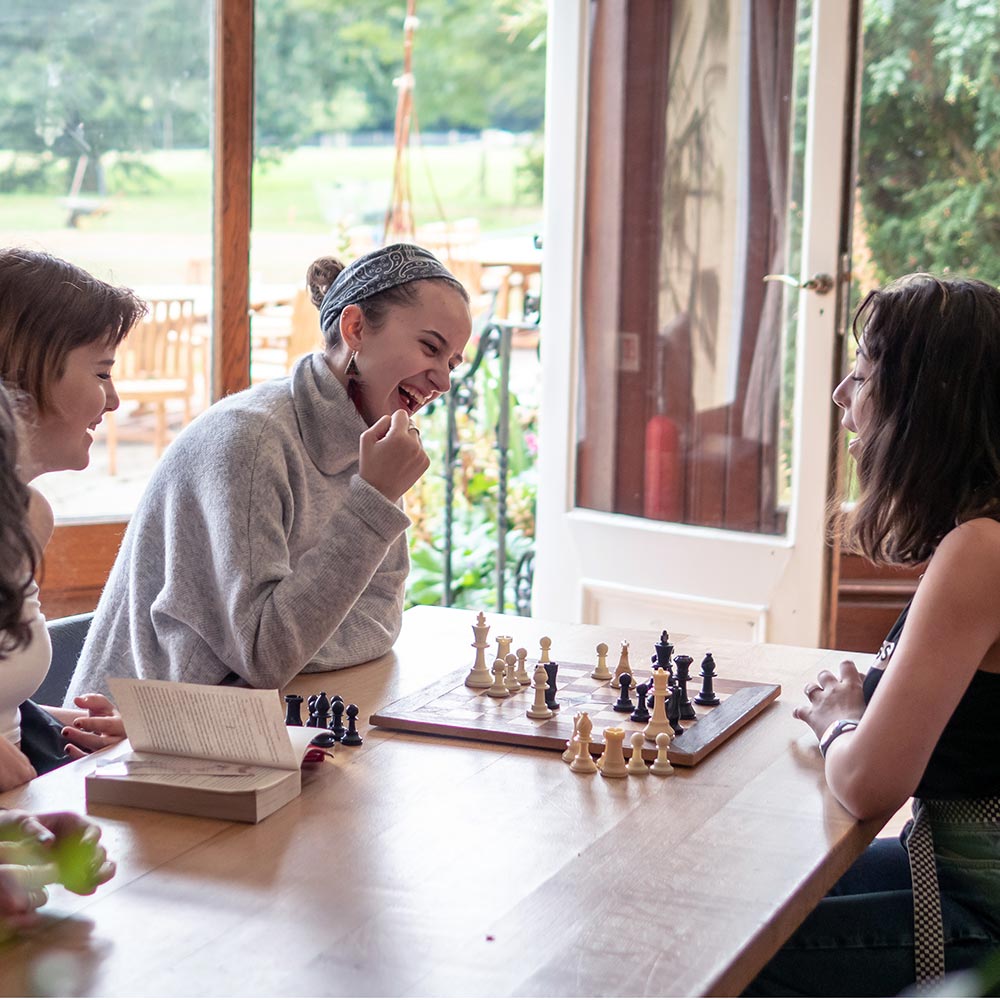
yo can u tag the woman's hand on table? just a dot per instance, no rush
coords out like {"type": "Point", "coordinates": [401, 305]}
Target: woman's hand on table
{"type": "Point", "coordinates": [832, 698]}
{"type": "Point", "coordinates": [101, 727]}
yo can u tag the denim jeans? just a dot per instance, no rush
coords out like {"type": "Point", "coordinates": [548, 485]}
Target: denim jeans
{"type": "Point", "coordinates": [859, 939]}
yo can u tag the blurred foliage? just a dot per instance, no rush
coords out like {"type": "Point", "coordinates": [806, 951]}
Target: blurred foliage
{"type": "Point", "coordinates": [92, 76]}
{"type": "Point", "coordinates": [476, 479]}
{"type": "Point", "coordinates": [930, 137]}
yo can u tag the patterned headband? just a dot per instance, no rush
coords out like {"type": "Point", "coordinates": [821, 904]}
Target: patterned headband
{"type": "Point", "coordinates": [397, 264]}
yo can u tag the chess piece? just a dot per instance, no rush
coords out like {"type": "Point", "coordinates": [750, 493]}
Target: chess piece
{"type": "Point", "coordinates": [510, 674]}
{"type": "Point", "coordinates": [636, 765]}
{"type": "Point", "coordinates": [324, 738]}
{"type": "Point", "coordinates": [623, 665]}
{"type": "Point", "coordinates": [583, 763]}
{"type": "Point", "coordinates": [546, 643]}
{"type": "Point", "coordinates": [311, 705]}
{"type": "Point", "coordinates": [662, 767]}
{"type": "Point", "coordinates": [352, 738]}
{"type": "Point", "coordinates": [498, 689]}
{"type": "Point", "coordinates": [624, 702]}
{"type": "Point", "coordinates": [707, 695]}
{"type": "Point", "coordinates": [683, 664]}
{"type": "Point", "coordinates": [613, 762]}
{"type": "Point", "coordinates": [570, 752]}
{"type": "Point", "coordinates": [293, 710]}
{"type": "Point", "coordinates": [641, 713]}
{"type": "Point", "coordinates": [664, 653]}
{"type": "Point", "coordinates": [479, 675]}
{"type": "Point", "coordinates": [337, 707]}
{"type": "Point", "coordinates": [322, 709]}
{"type": "Point", "coordinates": [674, 710]}
{"type": "Point", "coordinates": [551, 669]}
{"type": "Point", "coordinates": [602, 671]}
{"type": "Point", "coordinates": [503, 646]}
{"type": "Point", "coordinates": [538, 710]}
{"type": "Point", "coordinates": [659, 723]}
{"type": "Point", "coordinates": [522, 672]}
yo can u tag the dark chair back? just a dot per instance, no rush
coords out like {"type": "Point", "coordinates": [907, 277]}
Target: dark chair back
{"type": "Point", "coordinates": [67, 635]}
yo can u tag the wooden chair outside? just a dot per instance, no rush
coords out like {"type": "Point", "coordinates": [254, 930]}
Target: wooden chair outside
{"type": "Point", "coordinates": [279, 339]}
{"type": "Point", "coordinates": [155, 366]}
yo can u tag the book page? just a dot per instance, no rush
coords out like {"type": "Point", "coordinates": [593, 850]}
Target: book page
{"type": "Point", "coordinates": [189, 772]}
{"type": "Point", "coordinates": [242, 725]}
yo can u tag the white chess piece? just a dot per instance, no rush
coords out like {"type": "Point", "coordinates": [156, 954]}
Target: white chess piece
{"type": "Point", "coordinates": [510, 676]}
{"type": "Point", "coordinates": [522, 672]}
{"type": "Point", "coordinates": [613, 764]}
{"type": "Point", "coordinates": [662, 767]}
{"type": "Point", "coordinates": [570, 752]}
{"type": "Point", "coordinates": [602, 671]}
{"type": "Point", "coordinates": [546, 643]}
{"type": "Point", "coordinates": [658, 723]}
{"type": "Point", "coordinates": [623, 665]}
{"type": "Point", "coordinates": [636, 765]}
{"type": "Point", "coordinates": [503, 646]}
{"type": "Point", "coordinates": [479, 676]}
{"type": "Point", "coordinates": [539, 710]}
{"type": "Point", "coordinates": [583, 763]}
{"type": "Point", "coordinates": [498, 689]}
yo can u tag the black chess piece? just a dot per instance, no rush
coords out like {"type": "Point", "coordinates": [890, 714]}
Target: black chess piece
{"type": "Point", "coordinates": [674, 710]}
{"type": "Point", "coordinates": [352, 738]}
{"type": "Point", "coordinates": [551, 669]}
{"type": "Point", "coordinates": [322, 711]}
{"type": "Point", "coordinates": [707, 695]}
{"type": "Point", "coordinates": [338, 718]}
{"type": "Point", "coordinates": [664, 652]}
{"type": "Point", "coordinates": [683, 664]}
{"type": "Point", "coordinates": [293, 710]}
{"type": "Point", "coordinates": [641, 713]}
{"type": "Point", "coordinates": [324, 738]}
{"type": "Point", "coordinates": [311, 703]}
{"type": "Point", "coordinates": [624, 702]}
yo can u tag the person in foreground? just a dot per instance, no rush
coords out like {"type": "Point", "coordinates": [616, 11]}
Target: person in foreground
{"type": "Point", "coordinates": [59, 330]}
{"type": "Point", "coordinates": [271, 537]}
{"type": "Point", "coordinates": [924, 402]}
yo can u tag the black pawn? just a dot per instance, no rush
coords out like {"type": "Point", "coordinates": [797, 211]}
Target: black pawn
{"type": "Point", "coordinates": [293, 710]}
{"type": "Point", "coordinates": [338, 718]}
{"type": "Point", "coordinates": [641, 713]}
{"type": "Point", "coordinates": [352, 738]}
{"type": "Point", "coordinates": [322, 710]}
{"type": "Point", "coordinates": [707, 695]}
{"type": "Point", "coordinates": [674, 711]}
{"type": "Point", "coordinates": [683, 664]}
{"type": "Point", "coordinates": [311, 703]}
{"type": "Point", "coordinates": [551, 669]}
{"type": "Point", "coordinates": [624, 702]}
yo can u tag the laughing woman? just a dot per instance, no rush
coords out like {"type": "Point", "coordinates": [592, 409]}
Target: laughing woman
{"type": "Point", "coordinates": [271, 539]}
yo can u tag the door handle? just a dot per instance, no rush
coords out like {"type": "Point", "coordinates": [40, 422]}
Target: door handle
{"type": "Point", "coordinates": [821, 283]}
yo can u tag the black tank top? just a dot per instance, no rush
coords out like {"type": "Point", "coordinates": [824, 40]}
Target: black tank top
{"type": "Point", "coordinates": [965, 763]}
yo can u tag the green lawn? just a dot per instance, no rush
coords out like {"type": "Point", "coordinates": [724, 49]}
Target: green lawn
{"type": "Point", "coordinates": [308, 191]}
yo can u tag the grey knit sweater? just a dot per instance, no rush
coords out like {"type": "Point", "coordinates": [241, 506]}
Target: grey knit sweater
{"type": "Point", "coordinates": [257, 550]}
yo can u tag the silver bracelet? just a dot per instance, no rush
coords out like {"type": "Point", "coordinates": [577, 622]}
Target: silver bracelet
{"type": "Point", "coordinates": [834, 730]}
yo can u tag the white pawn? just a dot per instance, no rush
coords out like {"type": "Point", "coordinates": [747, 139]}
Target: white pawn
{"type": "Point", "coordinates": [522, 672]}
{"type": "Point", "coordinates": [570, 752]}
{"type": "Point", "coordinates": [510, 676]}
{"type": "Point", "coordinates": [583, 763]}
{"type": "Point", "coordinates": [636, 765]}
{"type": "Point", "coordinates": [602, 671]}
{"type": "Point", "coordinates": [539, 710]}
{"type": "Point", "coordinates": [546, 643]}
{"type": "Point", "coordinates": [498, 688]}
{"type": "Point", "coordinates": [662, 766]}
{"type": "Point", "coordinates": [612, 764]}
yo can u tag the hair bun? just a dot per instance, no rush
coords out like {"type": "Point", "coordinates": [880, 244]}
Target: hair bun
{"type": "Point", "coordinates": [321, 275]}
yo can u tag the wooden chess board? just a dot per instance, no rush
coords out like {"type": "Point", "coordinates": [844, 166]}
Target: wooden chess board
{"type": "Point", "coordinates": [449, 708]}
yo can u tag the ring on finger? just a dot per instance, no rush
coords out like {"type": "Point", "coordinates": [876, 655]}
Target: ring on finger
{"type": "Point", "coordinates": [811, 689]}
{"type": "Point", "coordinates": [414, 427]}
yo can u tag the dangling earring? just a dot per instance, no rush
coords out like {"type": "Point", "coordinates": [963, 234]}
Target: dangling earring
{"type": "Point", "coordinates": [352, 366]}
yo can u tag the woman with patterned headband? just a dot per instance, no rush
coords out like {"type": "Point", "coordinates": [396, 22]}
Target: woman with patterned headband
{"type": "Point", "coordinates": [271, 538]}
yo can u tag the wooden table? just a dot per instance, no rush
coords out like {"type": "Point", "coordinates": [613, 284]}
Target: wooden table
{"type": "Point", "coordinates": [420, 866]}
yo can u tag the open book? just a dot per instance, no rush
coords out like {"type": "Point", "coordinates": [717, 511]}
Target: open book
{"type": "Point", "coordinates": [223, 752]}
